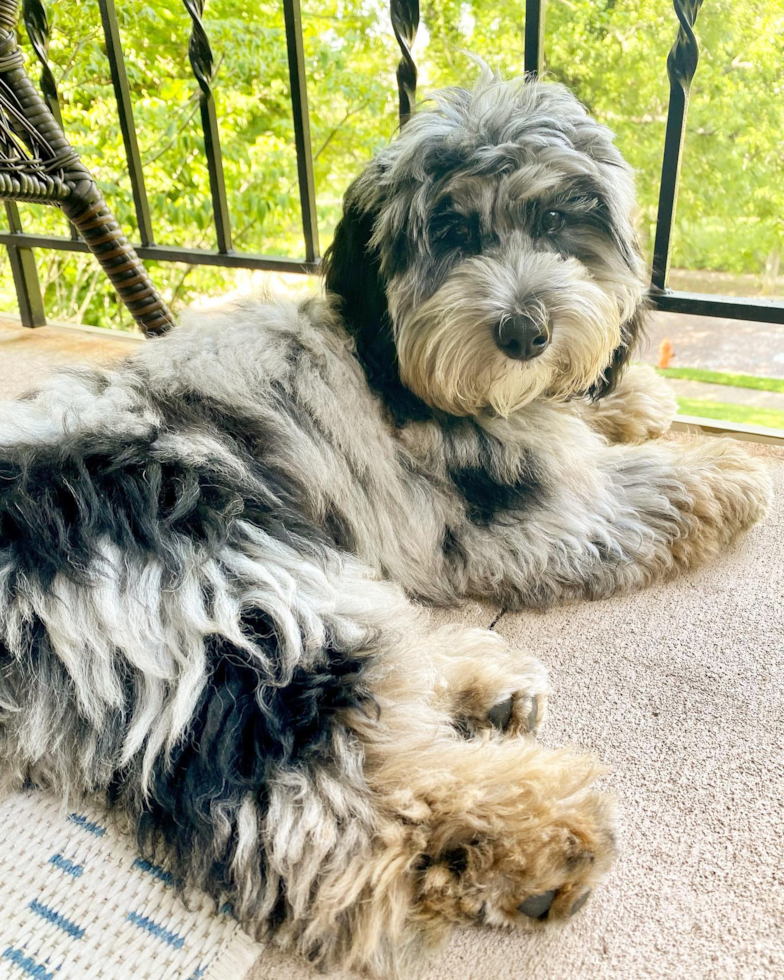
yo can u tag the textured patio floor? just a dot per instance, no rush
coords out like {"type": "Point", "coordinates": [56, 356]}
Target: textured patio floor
{"type": "Point", "coordinates": [680, 689]}
{"type": "Point", "coordinates": [27, 356]}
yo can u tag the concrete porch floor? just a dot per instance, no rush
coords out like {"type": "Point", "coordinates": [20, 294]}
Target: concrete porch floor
{"type": "Point", "coordinates": [680, 690]}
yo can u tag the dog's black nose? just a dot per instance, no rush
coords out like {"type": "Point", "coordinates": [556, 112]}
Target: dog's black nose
{"type": "Point", "coordinates": [520, 337]}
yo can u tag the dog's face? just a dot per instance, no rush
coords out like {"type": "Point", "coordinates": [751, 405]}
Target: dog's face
{"type": "Point", "coordinates": [493, 240]}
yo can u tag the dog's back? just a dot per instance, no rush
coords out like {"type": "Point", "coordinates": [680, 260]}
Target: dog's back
{"type": "Point", "coordinates": [159, 568]}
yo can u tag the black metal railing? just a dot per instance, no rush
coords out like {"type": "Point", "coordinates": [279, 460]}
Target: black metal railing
{"type": "Point", "coordinates": [681, 67]}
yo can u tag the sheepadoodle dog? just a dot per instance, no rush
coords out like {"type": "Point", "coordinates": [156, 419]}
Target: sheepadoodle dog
{"type": "Point", "coordinates": [214, 557]}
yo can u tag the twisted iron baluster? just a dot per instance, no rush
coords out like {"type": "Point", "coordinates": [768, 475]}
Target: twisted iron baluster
{"type": "Point", "coordinates": [199, 49]}
{"type": "Point", "coordinates": [38, 30]}
{"type": "Point", "coordinates": [685, 53]}
{"type": "Point", "coordinates": [681, 66]}
{"type": "Point", "coordinates": [37, 24]}
{"type": "Point", "coordinates": [405, 21]}
{"type": "Point", "coordinates": [200, 53]}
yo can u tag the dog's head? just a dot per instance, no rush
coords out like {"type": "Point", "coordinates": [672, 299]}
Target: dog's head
{"type": "Point", "coordinates": [487, 255]}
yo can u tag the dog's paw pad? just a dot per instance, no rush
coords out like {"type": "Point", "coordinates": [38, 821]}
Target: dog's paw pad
{"type": "Point", "coordinates": [500, 714]}
{"type": "Point", "coordinates": [537, 906]}
{"type": "Point", "coordinates": [518, 714]}
{"type": "Point", "coordinates": [578, 903]}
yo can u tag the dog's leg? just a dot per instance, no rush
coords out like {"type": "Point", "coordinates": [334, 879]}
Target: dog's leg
{"type": "Point", "coordinates": [286, 734]}
{"type": "Point", "coordinates": [486, 829]}
{"type": "Point", "coordinates": [611, 519]}
{"type": "Point", "coordinates": [641, 407]}
{"type": "Point", "coordinates": [484, 686]}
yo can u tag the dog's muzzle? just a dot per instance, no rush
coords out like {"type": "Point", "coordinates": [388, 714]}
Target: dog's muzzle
{"type": "Point", "coordinates": [521, 337]}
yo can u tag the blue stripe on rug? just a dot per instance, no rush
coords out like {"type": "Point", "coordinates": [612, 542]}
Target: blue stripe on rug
{"type": "Point", "coordinates": [88, 825]}
{"type": "Point", "coordinates": [143, 922]}
{"type": "Point", "coordinates": [26, 964]}
{"type": "Point", "coordinates": [155, 870]}
{"type": "Point", "coordinates": [63, 864]}
{"type": "Point", "coordinates": [56, 919]}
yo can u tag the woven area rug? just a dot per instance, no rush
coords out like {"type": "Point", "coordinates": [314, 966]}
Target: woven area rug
{"type": "Point", "coordinates": [77, 903]}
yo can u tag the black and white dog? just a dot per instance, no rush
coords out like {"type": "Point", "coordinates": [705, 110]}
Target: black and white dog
{"type": "Point", "coordinates": [212, 556]}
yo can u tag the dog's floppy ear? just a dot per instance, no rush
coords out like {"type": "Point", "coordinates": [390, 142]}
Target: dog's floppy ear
{"type": "Point", "coordinates": [631, 333]}
{"type": "Point", "coordinates": [352, 273]}
{"type": "Point", "coordinates": [352, 267]}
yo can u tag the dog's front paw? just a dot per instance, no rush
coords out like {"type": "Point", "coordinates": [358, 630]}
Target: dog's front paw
{"type": "Point", "coordinates": [745, 489]}
{"type": "Point", "coordinates": [719, 491]}
{"type": "Point", "coordinates": [487, 688]}
{"type": "Point", "coordinates": [507, 861]}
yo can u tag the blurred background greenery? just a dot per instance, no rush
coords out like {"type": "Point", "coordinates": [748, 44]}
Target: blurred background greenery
{"type": "Point", "coordinates": [730, 219]}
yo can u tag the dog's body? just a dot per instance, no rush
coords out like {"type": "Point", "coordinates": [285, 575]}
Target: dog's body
{"type": "Point", "coordinates": [208, 555]}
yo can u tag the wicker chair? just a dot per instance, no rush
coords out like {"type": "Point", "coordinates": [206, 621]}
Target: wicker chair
{"type": "Point", "coordinates": [38, 164]}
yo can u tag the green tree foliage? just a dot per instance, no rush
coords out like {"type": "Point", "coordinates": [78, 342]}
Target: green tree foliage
{"type": "Point", "coordinates": [610, 52]}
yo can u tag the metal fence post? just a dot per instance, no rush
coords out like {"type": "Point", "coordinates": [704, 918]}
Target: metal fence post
{"type": "Point", "coordinates": [299, 107]}
{"type": "Point", "coordinates": [202, 63]}
{"type": "Point", "coordinates": [25, 273]}
{"type": "Point", "coordinates": [534, 37]}
{"type": "Point", "coordinates": [681, 66]}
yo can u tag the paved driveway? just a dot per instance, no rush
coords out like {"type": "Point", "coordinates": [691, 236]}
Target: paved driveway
{"type": "Point", "coordinates": [718, 344]}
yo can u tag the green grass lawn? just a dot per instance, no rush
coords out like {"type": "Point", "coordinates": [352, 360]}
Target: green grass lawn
{"type": "Point", "coordinates": [724, 378]}
{"type": "Point", "coordinates": [772, 418]}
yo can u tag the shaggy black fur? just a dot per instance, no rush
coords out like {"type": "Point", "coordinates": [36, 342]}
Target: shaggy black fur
{"type": "Point", "coordinates": [360, 287]}
{"type": "Point", "coordinates": [487, 492]}
{"type": "Point", "coordinates": [486, 497]}
{"type": "Point", "coordinates": [250, 724]}
{"type": "Point", "coordinates": [632, 333]}
{"type": "Point", "coordinates": [58, 501]}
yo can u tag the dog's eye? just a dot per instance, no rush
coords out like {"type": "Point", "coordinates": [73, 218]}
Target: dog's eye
{"type": "Point", "coordinates": [460, 232]}
{"type": "Point", "coordinates": [456, 232]}
{"type": "Point", "coordinates": [464, 237]}
{"type": "Point", "coordinates": [552, 221]}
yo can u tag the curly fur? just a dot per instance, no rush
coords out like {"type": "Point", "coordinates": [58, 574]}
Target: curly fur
{"type": "Point", "coordinates": [208, 554]}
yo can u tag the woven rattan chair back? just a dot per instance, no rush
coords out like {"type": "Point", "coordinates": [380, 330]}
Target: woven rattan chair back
{"type": "Point", "coordinates": [38, 164]}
